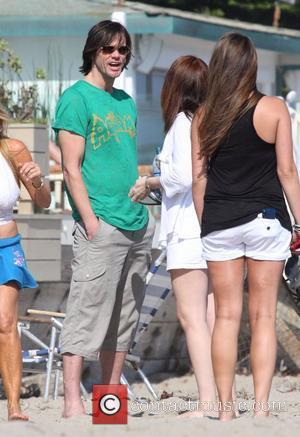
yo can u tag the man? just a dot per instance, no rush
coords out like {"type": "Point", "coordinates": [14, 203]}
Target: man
{"type": "Point", "coordinates": [96, 128]}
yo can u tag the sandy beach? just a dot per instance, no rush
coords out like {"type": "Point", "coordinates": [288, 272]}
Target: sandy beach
{"type": "Point", "coordinates": [163, 417]}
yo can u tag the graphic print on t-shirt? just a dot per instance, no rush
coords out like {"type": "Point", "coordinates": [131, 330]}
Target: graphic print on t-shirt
{"type": "Point", "coordinates": [104, 129]}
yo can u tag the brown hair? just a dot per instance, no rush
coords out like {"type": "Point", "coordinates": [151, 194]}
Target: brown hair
{"type": "Point", "coordinates": [100, 35]}
{"type": "Point", "coordinates": [4, 150]}
{"type": "Point", "coordinates": [231, 89]}
{"type": "Point", "coordinates": [184, 88]}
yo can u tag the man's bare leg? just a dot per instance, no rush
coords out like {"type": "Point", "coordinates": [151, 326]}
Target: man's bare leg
{"type": "Point", "coordinates": [112, 364]}
{"type": "Point", "coordinates": [73, 405]}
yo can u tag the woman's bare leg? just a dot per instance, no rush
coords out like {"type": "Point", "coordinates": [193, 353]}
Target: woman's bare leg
{"type": "Point", "coordinates": [211, 311]}
{"type": "Point", "coordinates": [211, 318]}
{"type": "Point", "coordinates": [190, 288]}
{"type": "Point", "coordinates": [263, 279]}
{"type": "Point", "coordinates": [10, 350]}
{"type": "Point", "coordinates": [227, 279]}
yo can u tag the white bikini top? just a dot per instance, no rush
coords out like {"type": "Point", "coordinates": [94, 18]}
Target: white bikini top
{"type": "Point", "coordinates": [9, 191]}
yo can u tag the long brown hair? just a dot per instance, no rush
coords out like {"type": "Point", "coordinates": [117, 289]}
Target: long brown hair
{"type": "Point", "coordinates": [4, 150]}
{"type": "Point", "coordinates": [184, 88]}
{"type": "Point", "coordinates": [231, 91]}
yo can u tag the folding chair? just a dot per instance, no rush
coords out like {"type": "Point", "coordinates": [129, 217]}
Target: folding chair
{"type": "Point", "coordinates": [47, 356]}
{"type": "Point", "coordinates": [157, 290]}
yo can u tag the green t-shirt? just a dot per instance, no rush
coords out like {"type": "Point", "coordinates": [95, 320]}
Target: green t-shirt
{"type": "Point", "coordinates": [107, 122]}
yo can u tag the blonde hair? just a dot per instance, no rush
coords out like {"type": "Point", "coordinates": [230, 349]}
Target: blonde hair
{"type": "Point", "coordinates": [4, 149]}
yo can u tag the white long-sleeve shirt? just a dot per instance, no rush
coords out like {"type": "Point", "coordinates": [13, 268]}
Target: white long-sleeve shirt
{"type": "Point", "coordinates": [178, 215]}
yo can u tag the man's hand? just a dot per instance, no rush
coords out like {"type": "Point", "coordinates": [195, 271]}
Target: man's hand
{"type": "Point", "coordinates": [139, 191]}
{"type": "Point", "coordinates": [92, 227]}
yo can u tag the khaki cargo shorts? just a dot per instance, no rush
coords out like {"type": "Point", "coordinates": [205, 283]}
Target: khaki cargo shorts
{"type": "Point", "coordinates": [107, 289]}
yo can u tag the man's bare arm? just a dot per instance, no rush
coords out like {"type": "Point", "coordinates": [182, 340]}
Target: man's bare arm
{"type": "Point", "coordinates": [72, 147]}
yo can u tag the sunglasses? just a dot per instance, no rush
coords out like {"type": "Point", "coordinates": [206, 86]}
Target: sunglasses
{"type": "Point", "coordinates": [108, 50]}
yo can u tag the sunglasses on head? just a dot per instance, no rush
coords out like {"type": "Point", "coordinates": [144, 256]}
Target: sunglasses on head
{"type": "Point", "coordinates": [108, 50]}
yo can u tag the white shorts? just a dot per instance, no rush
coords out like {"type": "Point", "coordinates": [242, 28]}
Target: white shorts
{"type": "Point", "coordinates": [261, 239]}
{"type": "Point", "coordinates": [185, 254]}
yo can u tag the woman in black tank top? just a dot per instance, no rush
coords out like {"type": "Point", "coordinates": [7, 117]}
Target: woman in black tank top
{"type": "Point", "coordinates": [242, 164]}
{"type": "Point", "coordinates": [242, 179]}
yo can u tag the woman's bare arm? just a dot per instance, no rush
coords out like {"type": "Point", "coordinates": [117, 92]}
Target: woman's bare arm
{"type": "Point", "coordinates": [198, 170]}
{"type": "Point", "coordinates": [286, 168]}
{"type": "Point", "coordinates": [29, 173]}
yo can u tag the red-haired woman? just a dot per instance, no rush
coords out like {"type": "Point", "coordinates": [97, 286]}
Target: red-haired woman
{"type": "Point", "coordinates": [184, 89]}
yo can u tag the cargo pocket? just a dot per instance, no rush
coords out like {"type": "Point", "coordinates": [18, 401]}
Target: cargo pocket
{"type": "Point", "coordinates": [74, 229]}
{"type": "Point", "coordinates": [90, 281]}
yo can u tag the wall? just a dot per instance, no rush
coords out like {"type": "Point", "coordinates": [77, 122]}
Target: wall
{"type": "Point", "coordinates": [41, 240]}
{"type": "Point", "coordinates": [60, 56]}
{"type": "Point", "coordinates": [153, 54]}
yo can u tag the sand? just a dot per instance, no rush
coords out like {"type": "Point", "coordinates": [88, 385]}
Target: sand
{"type": "Point", "coordinates": [160, 418]}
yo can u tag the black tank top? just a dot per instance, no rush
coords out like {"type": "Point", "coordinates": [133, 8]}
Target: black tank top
{"type": "Point", "coordinates": [242, 180]}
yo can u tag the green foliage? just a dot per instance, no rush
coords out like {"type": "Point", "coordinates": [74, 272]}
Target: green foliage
{"type": "Point", "coordinates": [21, 102]}
{"type": "Point", "coordinates": [9, 62]}
{"type": "Point", "coordinates": [40, 74]}
{"type": "Point", "coordinates": [256, 11]}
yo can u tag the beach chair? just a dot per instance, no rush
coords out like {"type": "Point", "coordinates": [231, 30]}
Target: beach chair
{"type": "Point", "coordinates": [48, 356]}
{"type": "Point", "coordinates": [158, 289]}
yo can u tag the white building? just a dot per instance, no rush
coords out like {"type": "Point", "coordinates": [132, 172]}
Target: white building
{"type": "Point", "coordinates": [51, 33]}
